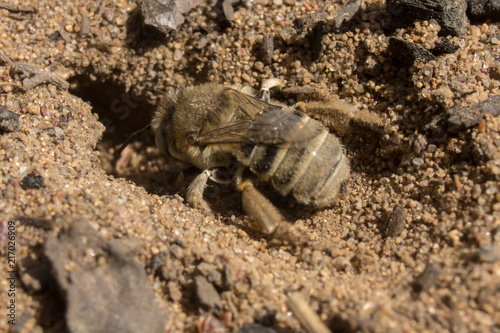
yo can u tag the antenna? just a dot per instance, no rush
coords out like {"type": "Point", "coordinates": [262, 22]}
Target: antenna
{"type": "Point", "coordinates": [133, 137]}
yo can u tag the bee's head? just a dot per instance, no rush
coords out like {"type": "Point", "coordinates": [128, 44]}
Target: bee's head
{"type": "Point", "coordinates": [162, 120]}
{"type": "Point", "coordinates": [160, 125]}
{"type": "Point", "coordinates": [161, 142]}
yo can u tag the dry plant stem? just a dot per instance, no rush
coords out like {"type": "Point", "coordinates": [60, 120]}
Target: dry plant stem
{"type": "Point", "coordinates": [38, 76]}
{"type": "Point", "coordinates": [16, 9]}
{"type": "Point", "coordinates": [10, 84]}
{"type": "Point", "coordinates": [305, 314]}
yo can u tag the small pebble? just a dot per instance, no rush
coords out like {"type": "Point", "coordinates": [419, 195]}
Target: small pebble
{"type": "Point", "coordinates": [418, 161]}
{"type": "Point", "coordinates": [9, 121]}
{"type": "Point", "coordinates": [32, 181]}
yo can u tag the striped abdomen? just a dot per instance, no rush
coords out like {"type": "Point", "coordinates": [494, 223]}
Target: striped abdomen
{"type": "Point", "coordinates": [313, 171]}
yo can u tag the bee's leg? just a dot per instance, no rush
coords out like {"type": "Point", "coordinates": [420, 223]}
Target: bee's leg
{"type": "Point", "coordinates": [258, 207]}
{"type": "Point", "coordinates": [267, 85]}
{"type": "Point", "coordinates": [268, 218]}
{"type": "Point", "coordinates": [335, 114]}
{"type": "Point", "coordinates": [196, 189]}
{"type": "Point", "coordinates": [343, 118]}
{"type": "Point", "coordinates": [194, 195]}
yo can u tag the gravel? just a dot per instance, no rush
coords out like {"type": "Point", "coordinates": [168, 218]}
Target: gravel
{"type": "Point", "coordinates": [445, 182]}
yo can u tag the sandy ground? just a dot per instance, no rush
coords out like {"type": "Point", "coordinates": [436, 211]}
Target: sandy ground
{"type": "Point", "coordinates": [413, 245]}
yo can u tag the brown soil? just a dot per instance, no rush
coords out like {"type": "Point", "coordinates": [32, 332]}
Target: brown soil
{"type": "Point", "coordinates": [413, 246]}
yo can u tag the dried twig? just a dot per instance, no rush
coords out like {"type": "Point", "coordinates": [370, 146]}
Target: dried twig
{"type": "Point", "coordinates": [17, 8]}
{"type": "Point", "coordinates": [305, 314]}
{"type": "Point", "coordinates": [11, 84]}
{"type": "Point", "coordinates": [37, 76]}
{"type": "Point", "coordinates": [17, 16]}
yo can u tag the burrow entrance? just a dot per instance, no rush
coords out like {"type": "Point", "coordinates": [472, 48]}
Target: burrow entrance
{"type": "Point", "coordinates": [123, 113]}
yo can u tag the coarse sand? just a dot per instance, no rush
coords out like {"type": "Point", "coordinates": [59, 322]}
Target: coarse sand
{"type": "Point", "coordinates": [412, 247]}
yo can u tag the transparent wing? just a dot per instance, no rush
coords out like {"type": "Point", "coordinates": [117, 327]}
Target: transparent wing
{"type": "Point", "coordinates": [261, 123]}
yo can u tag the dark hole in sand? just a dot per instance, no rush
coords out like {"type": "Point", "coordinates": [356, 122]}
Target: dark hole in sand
{"type": "Point", "coordinates": [123, 113]}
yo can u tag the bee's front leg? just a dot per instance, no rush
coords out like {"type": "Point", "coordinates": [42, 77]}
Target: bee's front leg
{"type": "Point", "coordinates": [194, 195]}
{"type": "Point", "coordinates": [267, 85]}
{"type": "Point", "coordinates": [269, 219]}
{"type": "Point", "coordinates": [343, 118]}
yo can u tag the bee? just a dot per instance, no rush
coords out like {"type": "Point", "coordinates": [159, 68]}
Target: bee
{"type": "Point", "coordinates": [225, 131]}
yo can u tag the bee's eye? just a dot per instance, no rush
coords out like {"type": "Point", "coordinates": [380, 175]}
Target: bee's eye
{"type": "Point", "coordinates": [191, 138]}
{"type": "Point", "coordinates": [161, 143]}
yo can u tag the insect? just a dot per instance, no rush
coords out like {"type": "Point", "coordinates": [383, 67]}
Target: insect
{"type": "Point", "coordinates": [214, 127]}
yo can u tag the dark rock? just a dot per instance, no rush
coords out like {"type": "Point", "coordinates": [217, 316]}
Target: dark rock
{"type": "Point", "coordinates": [316, 39]}
{"type": "Point", "coordinates": [299, 25]}
{"type": "Point", "coordinates": [265, 49]}
{"type": "Point", "coordinates": [206, 293]}
{"type": "Point", "coordinates": [166, 15]}
{"type": "Point", "coordinates": [459, 118]}
{"type": "Point", "coordinates": [55, 36]}
{"type": "Point", "coordinates": [484, 9]}
{"type": "Point", "coordinates": [32, 181]}
{"type": "Point", "coordinates": [9, 121]}
{"type": "Point", "coordinates": [407, 51]}
{"type": "Point", "coordinates": [427, 278]}
{"type": "Point", "coordinates": [450, 14]}
{"type": "Point", "coordinates": [85, 26]}
{"type": "Point", "coordinates": [348, 11]}
{"type": "Point", "coordinates": [445, 47]}
{"type": "Point", "coordinates": [396, 222]}
{"type": "Point", "coordinates": [104, 289]}
{"type": "Point", "coordinates": [38, 223]}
